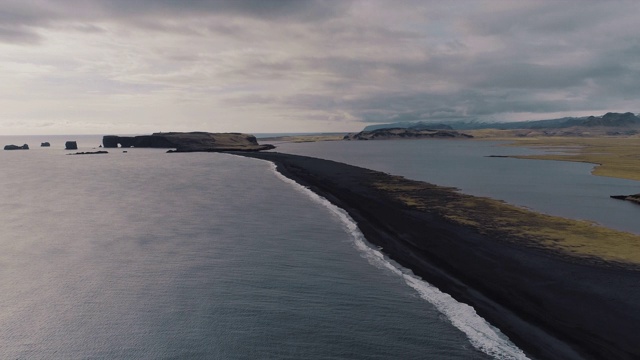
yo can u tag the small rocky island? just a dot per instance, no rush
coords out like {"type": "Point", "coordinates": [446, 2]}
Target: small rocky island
{"type": "Point", "coordinates": [188, 142]}
{"type": "Point", "coordinates": [16, 147]}
{"type": "Point", "coordinates": [90, 153]}
{"type": "Point", "coordinates": [405, 133]}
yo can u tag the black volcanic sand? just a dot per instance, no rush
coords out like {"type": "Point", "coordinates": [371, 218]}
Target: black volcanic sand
{"type": "Point", "coordinates": [551, 306]}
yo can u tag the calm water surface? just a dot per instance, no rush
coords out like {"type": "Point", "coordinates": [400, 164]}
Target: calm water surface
{"type": "Point", "coordinates": [150, 255]}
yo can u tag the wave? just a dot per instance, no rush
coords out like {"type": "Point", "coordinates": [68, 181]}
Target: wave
{"type": "Point", "coordinates": [482, 335]}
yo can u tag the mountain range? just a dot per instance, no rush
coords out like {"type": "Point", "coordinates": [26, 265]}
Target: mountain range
{"type": "Point", "coordinates": [610, 119]}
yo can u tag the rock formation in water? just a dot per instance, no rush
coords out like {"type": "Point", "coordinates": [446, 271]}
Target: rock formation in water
{"type": "Point", "coordinates": [16, 147]}
{"type": "Point", "coordinates": [71, 145]}
{"type": "Point", "coordinates": [633, 198]}
{"type": "Point", "coordinates": [188, 142]}
{"type": "Point", "coordinates": [90, 153]}
{"type": "Point", "coordinates": [402, 133]}
{"type": "Point", "coordinates": [45, 144]}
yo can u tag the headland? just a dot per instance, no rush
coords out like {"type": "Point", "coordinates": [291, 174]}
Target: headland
{"type": "Point", "coordinates": [560, 289]}
{"type": "Point", "coordinates": [188, 142]}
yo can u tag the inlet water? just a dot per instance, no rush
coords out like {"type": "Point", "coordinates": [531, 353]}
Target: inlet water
{"type": "Point", "coordinates": [554, 187]}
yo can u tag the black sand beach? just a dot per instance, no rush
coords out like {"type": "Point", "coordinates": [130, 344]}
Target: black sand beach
{"type": "Point", "coordinates": [552, 305]}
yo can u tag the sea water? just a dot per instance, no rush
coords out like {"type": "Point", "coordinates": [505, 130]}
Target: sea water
{"type": "Point", "coordinates": [151, 255]}
{"type": "Point", "coordinates": [557, 188]}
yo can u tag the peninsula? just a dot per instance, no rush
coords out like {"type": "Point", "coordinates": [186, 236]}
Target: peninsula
{"type": "Point", "coordinates": [188, 142]}
{"type": "Point", "coordinates": [633, 198]}
{"type": "Point", "coordinates": [559, 288]}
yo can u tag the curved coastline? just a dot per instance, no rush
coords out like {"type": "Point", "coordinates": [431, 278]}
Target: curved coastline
{"type": "Point", "coordinates": [550, 307]}
{"type": "Point", "coordinates": [482, 335]}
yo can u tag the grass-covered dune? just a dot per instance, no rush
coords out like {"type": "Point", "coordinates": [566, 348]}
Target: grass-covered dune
{"type": "Point", "coordinates": [560, 289]}
{"type": "Point", "coordinates": [497, 219]}
{"type": "Point", "coordinates": [617, 157]}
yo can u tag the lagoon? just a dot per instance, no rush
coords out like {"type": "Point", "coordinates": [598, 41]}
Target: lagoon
{"type": "Point", "coordinates": [557, 188]}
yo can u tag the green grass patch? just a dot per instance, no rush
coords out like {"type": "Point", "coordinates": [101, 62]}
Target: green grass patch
{"type": "Point", "coordinates": [613, 157]}
{"type": "Point", "coordinates": [500, 220]}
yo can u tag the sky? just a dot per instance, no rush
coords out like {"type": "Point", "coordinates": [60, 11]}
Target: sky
{"type": "Point", "coordinates": [260, 66]}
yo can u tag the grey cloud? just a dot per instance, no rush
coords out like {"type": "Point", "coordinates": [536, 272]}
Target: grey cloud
{"type": "Point", "coordinates": [314, 101]}
{"type": "Point", "coordinates": [19, 18]}
{"type": "Point", "coordinates": [88, 28]}
{"type": "Point", "coordinates": [18, 22]}
{"type": "Point", "coordinates": [463, 105]}
{"type": "Point", "coordinates": [282, 10]}
{"type": "Point", "coordinates": [480, 59]}
{"type": "Point", "coordinates": [525, 75]}
{"type": "Point", "coordinates": [265, 9]}
{"type": "Point", "coordinates": [514, 79]}
{"type": "Point", "coordinates": [18, 35]}
{"type": "Point", "coordinates": [489, 88]}
{"type": "Point", "coordinates": [549, 18]}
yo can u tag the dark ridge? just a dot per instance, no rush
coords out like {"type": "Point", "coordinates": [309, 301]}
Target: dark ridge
{"type": "Point", "coordinates": [610, 119]}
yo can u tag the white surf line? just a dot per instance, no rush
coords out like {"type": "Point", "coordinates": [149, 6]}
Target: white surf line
{"type": "Point", "coordinates": [482, 335]}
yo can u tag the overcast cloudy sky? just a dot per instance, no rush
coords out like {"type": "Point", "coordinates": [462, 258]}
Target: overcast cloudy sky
{"type": "Point", "coordinates": [138, 66]}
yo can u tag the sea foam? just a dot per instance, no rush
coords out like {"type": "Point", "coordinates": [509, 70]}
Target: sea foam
{"type": "Point", "coordinates": [482, 335]}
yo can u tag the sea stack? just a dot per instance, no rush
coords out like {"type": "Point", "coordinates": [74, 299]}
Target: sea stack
{"type": "Point", "coordinates": [71, 145]}
{"type": "Point", "coordinates": [16, 147]}
{"type": "Point", "coordinates": [45, 144]}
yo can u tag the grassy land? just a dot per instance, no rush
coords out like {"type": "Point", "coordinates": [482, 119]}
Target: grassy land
{"type": "Point", "coordinates": [499, 220]}
{"type": "Point", "coordinates": [615, 157]}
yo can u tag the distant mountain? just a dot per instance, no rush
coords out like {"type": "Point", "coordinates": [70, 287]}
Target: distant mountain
{"type": "Point", "coordinates": [613, 119]}
{"type": "Point", "coordinates": [608, 119]}
{"type": "Point", "coordinates": [405, 133]}
{"type": "Point", "coordinates": [420, 125]}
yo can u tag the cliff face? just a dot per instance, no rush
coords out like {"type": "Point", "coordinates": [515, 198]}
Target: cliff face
{"type": "Point", "coordinates": [188, 142]}
{"type": "Point", "coordinates": [401, 133]}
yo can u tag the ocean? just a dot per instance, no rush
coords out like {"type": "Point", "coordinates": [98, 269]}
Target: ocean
{"type": "Point", "coordinates": [150, 255]}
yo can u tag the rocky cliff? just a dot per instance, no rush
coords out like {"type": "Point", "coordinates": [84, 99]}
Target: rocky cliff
{"type": "Point", "coordinates": [188, 142]}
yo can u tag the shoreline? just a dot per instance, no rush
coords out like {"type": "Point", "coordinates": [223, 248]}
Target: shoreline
{"type": "Point", "coordinates": [548, 306]}
{"type": "Point", "coordinates": [619, 162]}
{"type": "Point", "coordinates": [610, 156]}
